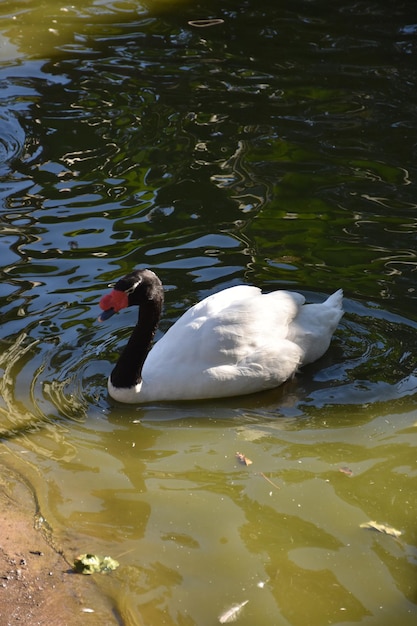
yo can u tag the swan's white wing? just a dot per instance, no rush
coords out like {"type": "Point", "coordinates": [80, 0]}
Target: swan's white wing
{"type": "Point", "coordinates": [265, 368]}
{"type": "Point", "coordinates": [233, 342]}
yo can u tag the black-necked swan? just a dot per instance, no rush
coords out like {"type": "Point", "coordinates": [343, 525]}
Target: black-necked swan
{"type": "Point", "coordinates": [234, 342]}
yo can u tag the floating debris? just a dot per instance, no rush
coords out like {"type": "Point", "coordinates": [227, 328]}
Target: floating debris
{"type": "Point", "coordinates": [269, 480]}
{"type": "Point", "coordinates": [243, 459]}
{"type": "Point", "coordinates": [382, 528]}
{"type": "Point", "coordinates": [93, 564]}
{"type": "Point", "coordinates": [346, 470]}
{"type": "Point", "coordinates": [206, 23]}
{"type": "Point", "coordinates": [231, 614]}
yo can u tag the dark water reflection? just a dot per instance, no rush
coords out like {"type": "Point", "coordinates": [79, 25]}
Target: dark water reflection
{"type": "Point", "coordinates": [275, 148]}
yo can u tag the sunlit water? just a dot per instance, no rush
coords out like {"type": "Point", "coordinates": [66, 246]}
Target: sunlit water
{"type": "Point", "coordinates": [274, 146]}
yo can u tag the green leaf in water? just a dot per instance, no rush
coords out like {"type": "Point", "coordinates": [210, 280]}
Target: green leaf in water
{"type": "Point", "coordinates": [93, 564]}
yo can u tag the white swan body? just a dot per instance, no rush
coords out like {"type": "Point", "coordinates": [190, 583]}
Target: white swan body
{"type": "Point", "coordinates": [238, 341]}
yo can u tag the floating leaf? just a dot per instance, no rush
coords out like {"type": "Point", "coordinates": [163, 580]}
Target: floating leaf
{"type": "Point", "coordinates": [346, 470]}
{"type": "Point", "coordinates": [382, 528]}
{"type": "Point", "coordinates": [93, 564]}
{"type": "Point", "coordinates": [231, 614]}
{"type": "Point", "coordinates": [243, 459]}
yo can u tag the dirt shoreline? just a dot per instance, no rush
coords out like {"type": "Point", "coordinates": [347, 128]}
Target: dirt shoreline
{"type": "Point", "coordinates": [37, 586]}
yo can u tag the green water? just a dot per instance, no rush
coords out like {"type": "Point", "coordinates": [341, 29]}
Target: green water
{"type": "Point", "coordinates": [275, 147]}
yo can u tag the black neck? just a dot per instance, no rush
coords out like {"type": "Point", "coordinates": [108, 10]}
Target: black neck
{"type": "Point", "coordinates": [128, 369]}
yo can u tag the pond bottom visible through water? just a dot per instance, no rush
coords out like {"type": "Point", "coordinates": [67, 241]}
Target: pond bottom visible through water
{"type": "Point", "coordinates": [196, 531]}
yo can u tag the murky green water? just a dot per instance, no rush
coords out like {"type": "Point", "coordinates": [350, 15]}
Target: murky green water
{"type": "Point", "coordinates": [275, 148]}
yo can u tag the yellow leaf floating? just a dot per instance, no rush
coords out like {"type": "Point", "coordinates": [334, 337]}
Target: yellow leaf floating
{"type": "Point", "coordinates": [382, 528]}
{"type": "Point", "coordinates": [243, 459]}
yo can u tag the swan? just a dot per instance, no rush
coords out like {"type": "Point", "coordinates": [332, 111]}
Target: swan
{"type": "Point", "coordinates": [234, 342]}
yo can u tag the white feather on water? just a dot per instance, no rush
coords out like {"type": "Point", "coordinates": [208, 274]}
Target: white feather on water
{"type": "Point", "coordinates": [231, 614]}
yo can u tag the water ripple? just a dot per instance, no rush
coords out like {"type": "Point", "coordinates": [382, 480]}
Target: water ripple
{"type": "Point", "coordinates": [12, 138]}
{"type": "Point", "coordinates": [370, 362]}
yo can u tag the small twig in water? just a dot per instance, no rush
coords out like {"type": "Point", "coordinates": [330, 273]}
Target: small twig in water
{"type": "Point", "coordinates": [269, 480]}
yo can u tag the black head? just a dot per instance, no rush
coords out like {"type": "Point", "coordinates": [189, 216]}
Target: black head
{"type": "Point", "coordinates": [140, 286]}
{"type": "Point", "coordinates": [137, 288]}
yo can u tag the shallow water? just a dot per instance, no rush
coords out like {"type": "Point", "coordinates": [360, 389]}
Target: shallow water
{"type": "Point", "coordinates": [274, 147]}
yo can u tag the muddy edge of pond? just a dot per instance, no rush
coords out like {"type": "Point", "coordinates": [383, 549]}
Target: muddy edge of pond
{"type": "Point", "coordinates": [37, 586]}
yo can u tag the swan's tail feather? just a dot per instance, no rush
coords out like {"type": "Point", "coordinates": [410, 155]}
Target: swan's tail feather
{"type": "Point", "coordinates": [314, 326]}
{"type": "Point", "coordinates": [335, 300]}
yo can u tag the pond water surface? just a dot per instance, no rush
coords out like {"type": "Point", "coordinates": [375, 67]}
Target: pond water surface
{"type": "Point", "coordinates": [274, 145]}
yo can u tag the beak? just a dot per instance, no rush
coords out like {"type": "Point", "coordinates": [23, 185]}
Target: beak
{"type": "Point", "coordinates": [111, 303]}
{"type": "Point", "coordinates": [106, 315]}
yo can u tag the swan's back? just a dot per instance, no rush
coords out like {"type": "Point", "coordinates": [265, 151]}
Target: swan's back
{"type": "Point", "coordinates": [238, 341]}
